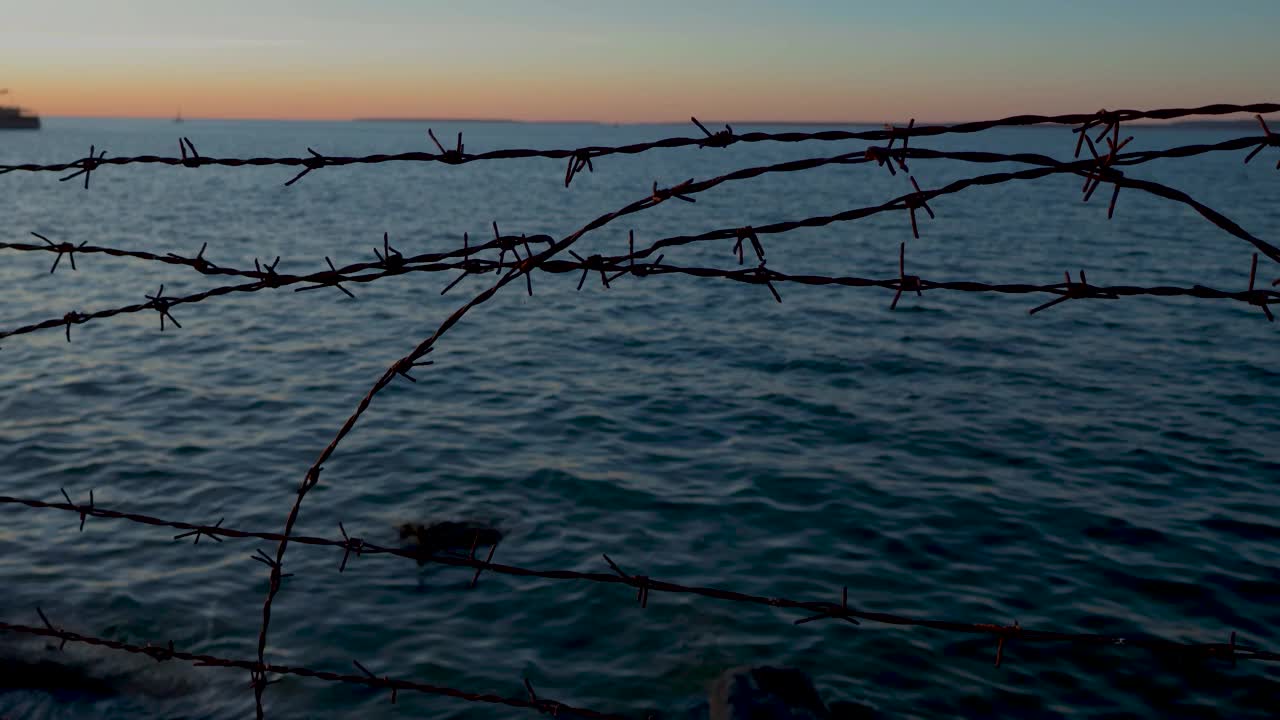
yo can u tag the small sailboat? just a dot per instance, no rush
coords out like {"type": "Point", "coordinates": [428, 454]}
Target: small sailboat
{"type": "Point", "coordinates": [178, 118]}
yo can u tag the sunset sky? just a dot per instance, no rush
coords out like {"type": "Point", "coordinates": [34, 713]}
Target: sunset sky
{"type": "Point", "coordinates": [822, 60]}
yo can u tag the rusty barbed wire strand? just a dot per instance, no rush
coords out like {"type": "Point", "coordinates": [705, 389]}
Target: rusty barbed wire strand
{"type": "Point", "coordinates": [626, 265]}
{"type": "Point", "coordinates": [258, 672]}
{"type": "Point", "coordinates": [1066, 290]}
{"type": "Point", "coordinates": [903, 202]}
{"type": "Point", "coordinates": [270, 279]}
{"type": "Point", "coordinates": [645, 584]}
{"type": "Point", "coordinates": [582, 156]}
{"type": "Point", "coordinates": [205, 267]}
{"type": "Point", "coordinates": [1272, 140]}
{"type": "Point", "coordinates": [852, 158]}
{"type": "Point", "coordinates": [274, 280]}
{"type": "Point", "coordinates": [682, 190]}
{"type": "Point", "coordinates": [200, 264]}
{"type": "Point", "coordinates": [402, 366]}
{"type": "Point", "coordinates": [619, 267]}
{"type": "Point", "coordinates": [1101, 171]}
{"type": "Point", "coordinates": [429, 262]}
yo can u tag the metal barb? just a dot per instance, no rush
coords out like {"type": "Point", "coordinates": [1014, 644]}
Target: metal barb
{"type": "Point", "coordinates": [914, 201]}
{"type": "Point", "coordinates": [906, 138]}
{"type": "Point", "coordinates": [202, 531]}
{"type": "Point", "coordinates": [1260, 300]}
{"type": "Point", "coordinates": [764, 275]}
{"type": "Point", "coordinates": [352, 544]}
{"type": "Point", "coordinates": [1105, 171]}
{"type": "Point", "coordinates": [718, 139]}
{"type": "Point", "coordinates": [267, 273]}
{"type": "Point", "coordinates": [162, 305]}
{"type": "Point", "coordinates": [198, 262]}
{"type": "Point", "coordinates": [72, 318]}
{"type": "Point", "coordinates": [450, 157]}
{"type": "Point", "coordinates": [83, 510]}
{"type": "Point", "coordinates": [577, 161]}
{"type": "Point", "coordinates": [159, 653]}
{"type": "Point", "coordinates": [86, 166]}
{"type": "Point", "coordinates": [594, 262]}
{"type": "Point", "coordinates": [1002, 637]}
{"type": "Point", "coordinates": [390, 258]}
{"type": "Point", "coordinates": [49, 625]}
{"type": "Point", "coordinates": [258, 680]}
{"type": "Point", "coordinates": [371, 676]}
{"type": "Point", "coordinates": [1269, 140]}
{"type": "Point", "coordinates": [492, 549]}
{"type": "Point", "coordinates": [1110, 122]}
{"type": "Point", "coordinates": [526, 266]}
{"type": "Point", "coordinates": [276, 568]}
{"type": "Point", "coordinates": [63, 248]}
{"type": "Point", "coordinates": [672, 192]}
{"type": "Point", "coordinates": [335, 283]}
{"type": "Point", "coordinates": [639, 269]}
{"type": "Point", "coordinates": [744, 234]}
{"type": "Point", "coordinates": [1075, 291]}
{"type": "Point", "coordinates": [833, 612]}
{"type": "Point", "coordinates": [409, 362]}
{"type": "Point", "coordinates": [315, 162]}
{"type": "Point", "coordinates": [185, 144]}
{"type": "Point", "coordinates": [640, 582]}
{"type": "Point", "coordinates": [905, 281]}
{"type": "Point", "coordinates": [886, 155]}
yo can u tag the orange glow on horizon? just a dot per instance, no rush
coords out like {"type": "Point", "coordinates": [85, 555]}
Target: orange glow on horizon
{"type": "Point", "coordinates": [821, 61]}
{"type": "Point", "coordinates": [294, 96]}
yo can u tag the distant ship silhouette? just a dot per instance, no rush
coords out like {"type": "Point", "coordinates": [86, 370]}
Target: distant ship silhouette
{"type": "Point", "coordinates": [15, 118]}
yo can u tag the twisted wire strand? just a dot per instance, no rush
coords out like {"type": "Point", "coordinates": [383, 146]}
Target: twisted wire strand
{"type": "Point", "coordinates": [1099, 170]}
{"type": "Point", "coordinates": [583, 154]}
{"type": "Point", "coordinates": [432, 262]}
{"type": "Point", "coordinates": [401, 367]}
{"type": "Point", "coordinates": [258, 672]}
{"type": "Point", "coordinates": [200, 264]}
{"type": "Point", "coordinates": [648, 584]}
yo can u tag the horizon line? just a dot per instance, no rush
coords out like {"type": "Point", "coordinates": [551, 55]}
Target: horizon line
{"type": "Point", "coordinates": [617, 123]}
{"type": "Point", "coordinates": [493, 120]}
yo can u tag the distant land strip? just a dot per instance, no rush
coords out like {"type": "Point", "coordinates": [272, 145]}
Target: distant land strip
{"type": "Point", "coordinates": [437, 120]}
{"type": "Point", "coordinates": [1204, 123]}
{"type": "Point", "coordinates": [1208, 123]}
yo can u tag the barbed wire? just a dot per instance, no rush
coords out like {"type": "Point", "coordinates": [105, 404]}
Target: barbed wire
{"type": "Point", "coordinates": [1103, 170]}
{"type": "Point", "coordinates": [1100, 168]}
{"type": "Point", "coordinates": [388, 258]}
{"type": "Point", "coordinates": [583, 156]}
{"type": "Point", "coordinates": [391, 262]}
{"type": "Point", "coordinates": [258, 673]}
{"type": "Point", "coordinates": [871, 154]}
{"type": "Point", "coordinates": [644, 585]}
{"type": "Point", "coordinates": [613, 269]}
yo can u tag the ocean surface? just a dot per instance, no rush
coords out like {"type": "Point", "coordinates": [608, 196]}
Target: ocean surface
{"type": "Point", "coordinates": [1099, 467]}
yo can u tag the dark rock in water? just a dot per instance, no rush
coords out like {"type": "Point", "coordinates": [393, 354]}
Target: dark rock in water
{"type": "Point", "coordinates": [769, 693]}
{"type": "Point", "coordinates": [766, 693]}
{"type": "Point", "coordinates": [52, 677]}
{"type": "Point", "coordinates": [448, 536]}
